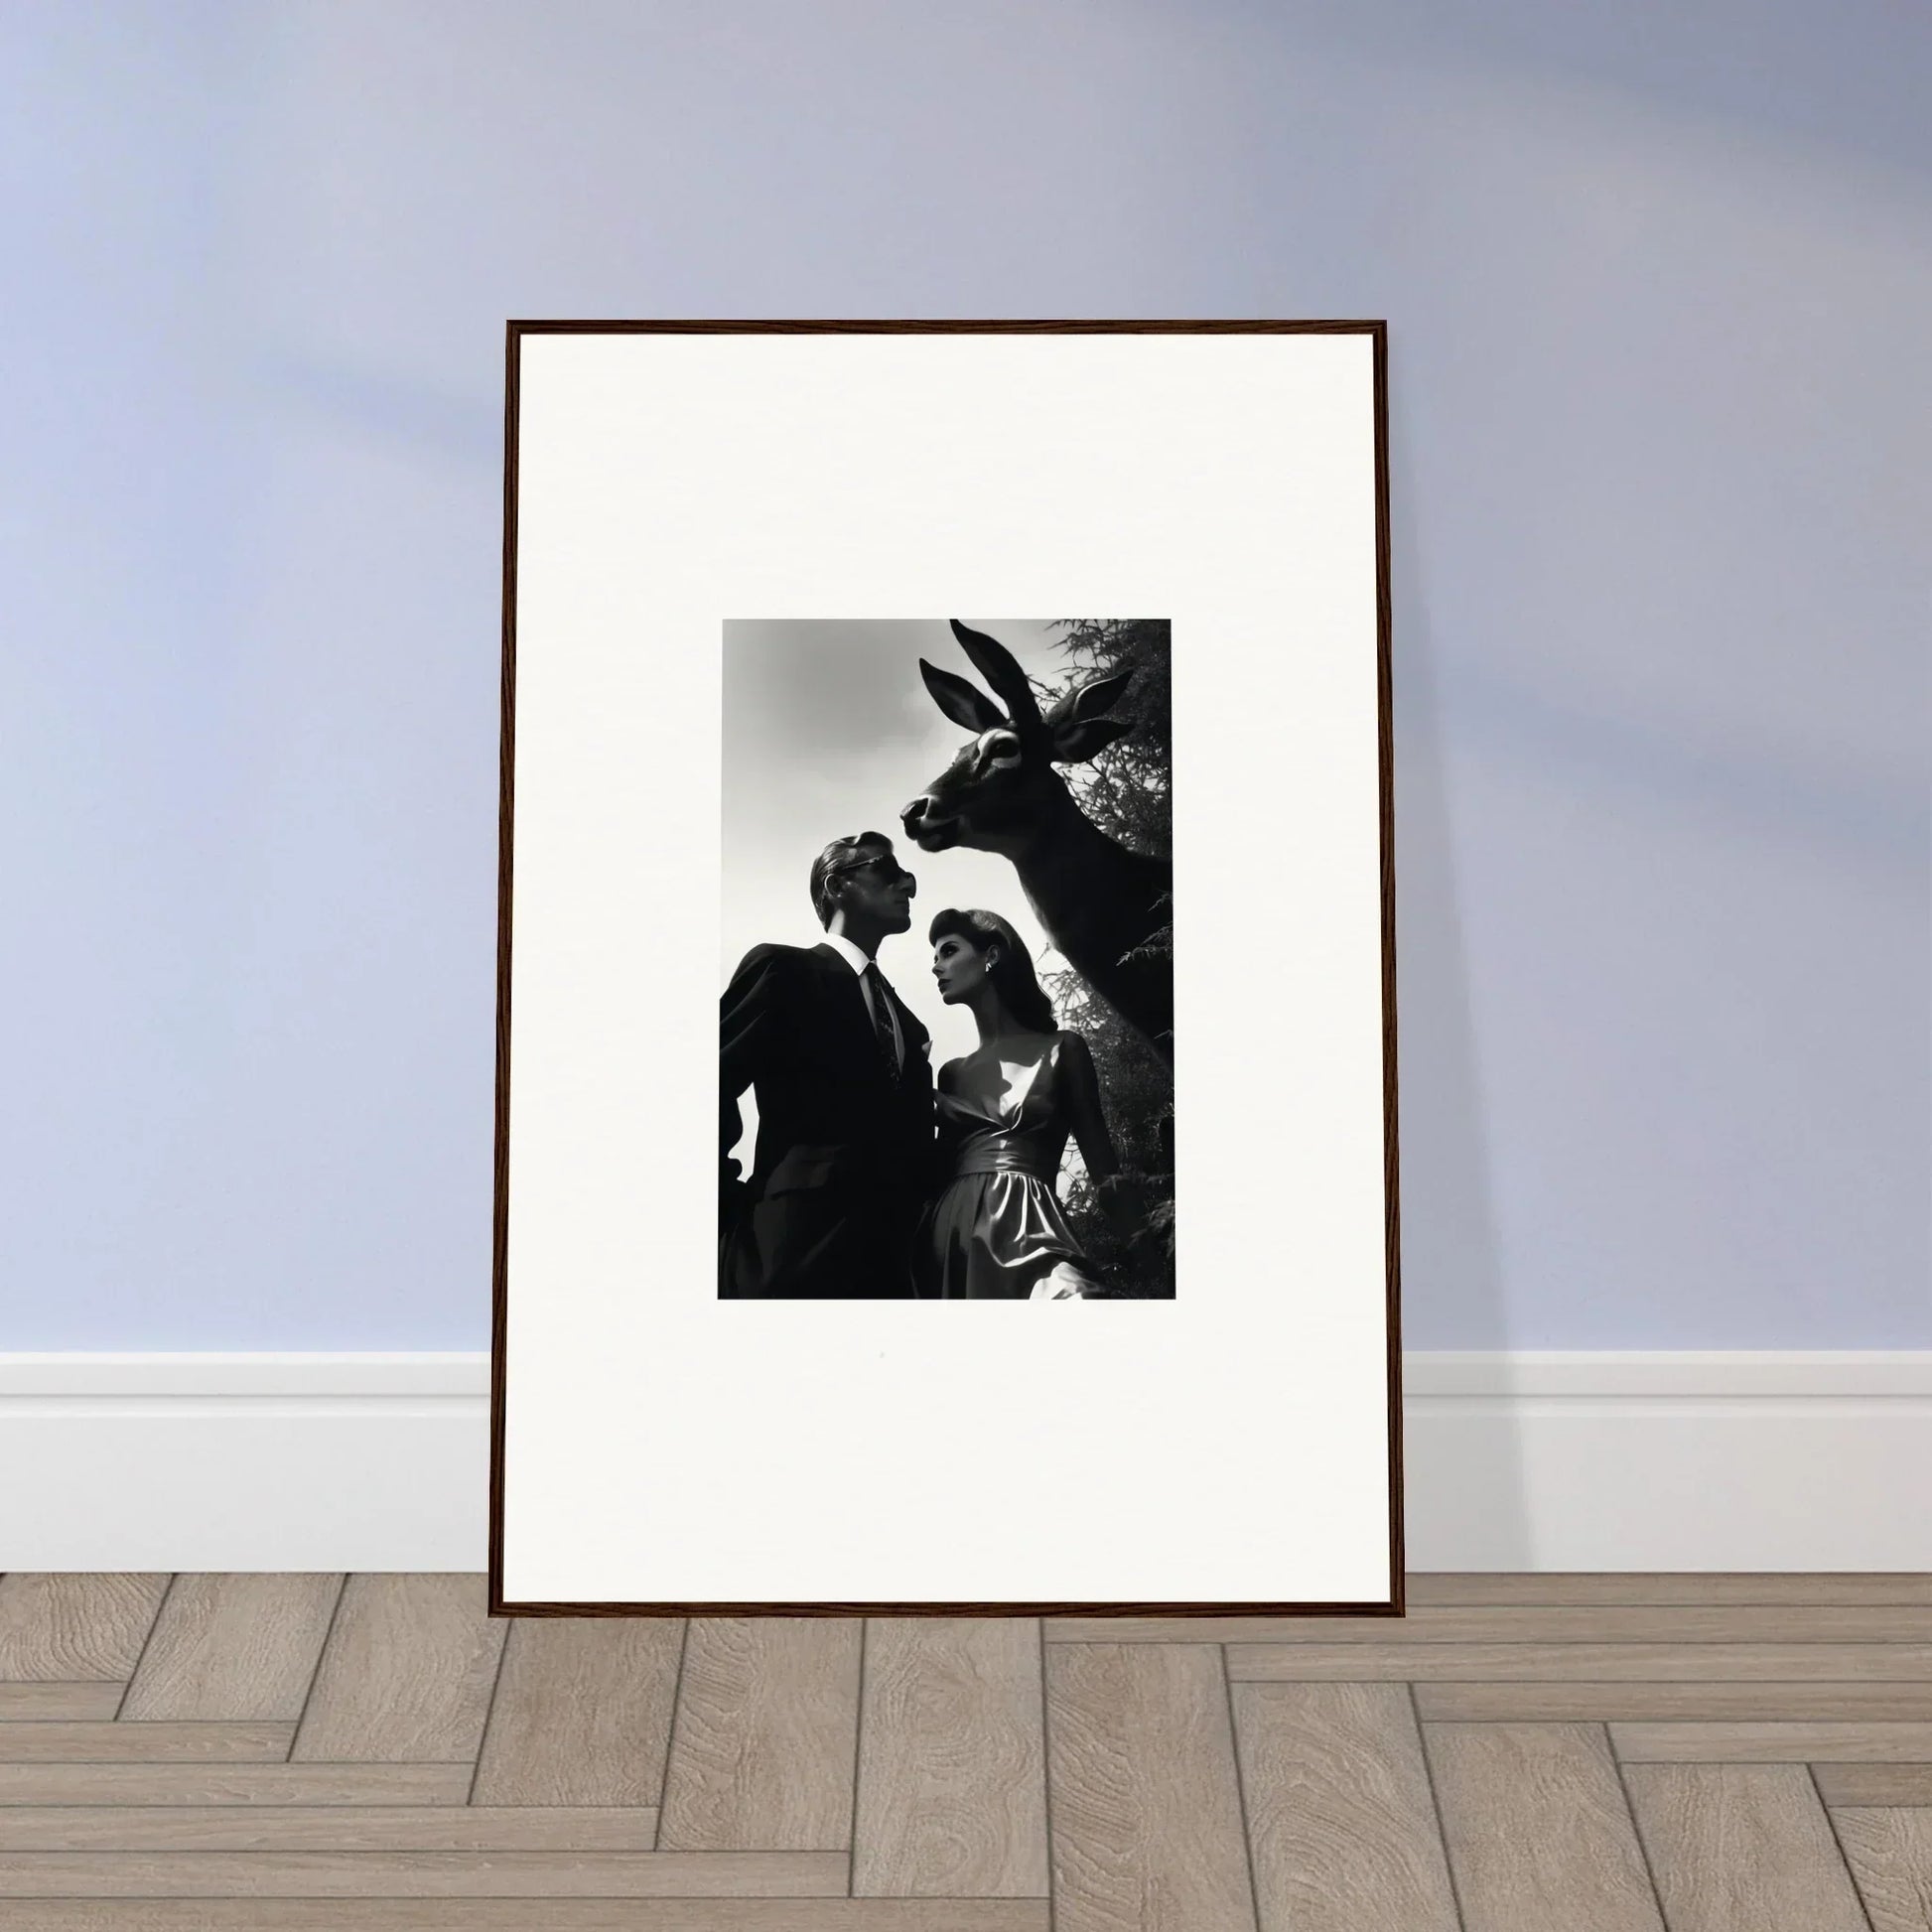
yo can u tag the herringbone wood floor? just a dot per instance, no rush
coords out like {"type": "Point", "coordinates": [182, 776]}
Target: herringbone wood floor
{"type": "Point", "coordinates": [1519, 1754]}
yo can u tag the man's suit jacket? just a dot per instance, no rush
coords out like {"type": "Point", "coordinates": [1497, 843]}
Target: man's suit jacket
{"type": "Point", "coordinates": [845, 1152]}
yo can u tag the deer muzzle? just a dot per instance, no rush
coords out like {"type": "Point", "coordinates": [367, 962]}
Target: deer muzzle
{"type": "Point", "coordinates": [927, 823]}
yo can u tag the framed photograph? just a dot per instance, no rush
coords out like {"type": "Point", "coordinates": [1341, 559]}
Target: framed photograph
{"type": "Point", "coordinates": [1050, 958]}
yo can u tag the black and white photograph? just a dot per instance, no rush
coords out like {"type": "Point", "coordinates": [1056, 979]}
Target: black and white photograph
{"type": "Point", "coordinates": [946, 1034]}
{"type": "Point", "coordinates": [1050, 958]}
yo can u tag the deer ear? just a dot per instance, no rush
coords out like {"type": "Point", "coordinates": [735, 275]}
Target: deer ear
{"type": "Point", "coordinates": [959, 700]}
{"type": "Point", "coordinates": [1000, 670]}
{"type": "Point", "coordinates": [1090, 699]}
{"type": "Point", "coordinates": [1076, 740]}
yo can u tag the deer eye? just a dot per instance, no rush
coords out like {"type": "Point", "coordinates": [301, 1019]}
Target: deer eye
{"type": "Point", "coordinates": [999, 751]}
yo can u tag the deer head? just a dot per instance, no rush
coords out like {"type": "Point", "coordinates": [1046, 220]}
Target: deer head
{"type": "Point", "coordinates": [1002, 784]}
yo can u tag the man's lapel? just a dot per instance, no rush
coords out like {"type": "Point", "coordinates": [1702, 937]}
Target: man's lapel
{"type": "Point", "coordinates": [848, 1000]}
{"type": "Point", "coordinates": [914, 1034]}
{"type": "Point", "coordinates": [909, 1019]}
{"type": "Point", "coordinates": [848, 1004]}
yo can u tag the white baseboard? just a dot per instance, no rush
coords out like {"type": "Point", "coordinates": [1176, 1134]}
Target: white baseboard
{"type": "Point", "coordinates": [292, 1462]}
{"type": "Point", "coordinates": [1546, 1462]}
{"type": "Point", "coordinates": [1673, 1461]}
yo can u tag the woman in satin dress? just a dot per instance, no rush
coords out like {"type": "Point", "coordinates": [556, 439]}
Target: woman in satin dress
{"type": "Point", "coordinates": [995, 1231]}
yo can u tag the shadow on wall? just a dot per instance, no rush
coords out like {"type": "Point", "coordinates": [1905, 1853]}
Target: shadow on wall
{"type": "Point", "coordinates": [1451, 1264]}
{"type": "Point", "coordinates": [1858, 91]}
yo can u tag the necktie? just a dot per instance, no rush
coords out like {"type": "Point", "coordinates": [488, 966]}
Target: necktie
{"type": "Point", "coordinates": [878, 1000]}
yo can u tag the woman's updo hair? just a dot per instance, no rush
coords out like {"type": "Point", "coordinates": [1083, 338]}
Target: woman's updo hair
{"type": "Point", "coordinates": [1012, 974]}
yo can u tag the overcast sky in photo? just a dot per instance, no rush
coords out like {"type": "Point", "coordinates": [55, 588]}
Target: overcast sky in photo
{"type": "Point", "coordinates": [829, 729]}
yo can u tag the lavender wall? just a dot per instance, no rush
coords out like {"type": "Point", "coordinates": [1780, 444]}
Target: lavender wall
{"type": "Point", "coordinates": [1659, 282]}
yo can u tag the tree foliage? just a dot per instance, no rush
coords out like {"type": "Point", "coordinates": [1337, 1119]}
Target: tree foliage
{"type": "Point", "coordinates": [1127, 791]}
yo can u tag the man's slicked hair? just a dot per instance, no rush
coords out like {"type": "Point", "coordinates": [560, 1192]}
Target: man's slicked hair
{"type": "Point", "coordinates": [832, 861]}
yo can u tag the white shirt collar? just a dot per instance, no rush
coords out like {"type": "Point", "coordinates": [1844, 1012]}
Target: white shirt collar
{"type": "Point", "coordinates": [853, 956]}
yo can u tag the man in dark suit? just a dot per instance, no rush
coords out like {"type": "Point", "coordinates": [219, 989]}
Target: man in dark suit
{"type": "Point", "coordinates": [839, 1066]}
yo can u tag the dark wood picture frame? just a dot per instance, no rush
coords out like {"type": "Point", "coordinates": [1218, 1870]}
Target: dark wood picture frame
{"type": "Point", "coordinates": [1377, 333]}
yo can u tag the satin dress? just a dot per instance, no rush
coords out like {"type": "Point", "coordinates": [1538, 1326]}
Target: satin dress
{"type": "Point", "coordinates": [996, 1232]}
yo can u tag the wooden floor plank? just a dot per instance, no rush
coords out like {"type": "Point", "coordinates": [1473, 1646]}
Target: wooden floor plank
{"type": "Point", "coordinates": [1525, 1623]}
{"type": "Point", "coordinates": [325, 1828]}
{"type": "Point", "coordinates": [1698, 1663]}
{"type": "Point", "coordinates": [1340, 1818]}
{"type": "Point", "coordinates": [1891, 1855]}
{"type": "Point", "coordinates": [1695, 1703]}
{"type": "Point", "coordinates": [422, 1874]}
{"type": "Point", "coordinates": [1752, 1713]}
{"type": "Point", "coordinates": [1538, 1831]}
{"type": "Point", "coordinates": [73, 1625]}
{"type": "Point", "coordinates": [1772, 1743]}
{"type": "Point", "coordinates": [407, 1671]}
{"type": "Point", "coordinates": [234, 1784]}
{"type": "Point", "coordinates": [158, 1743]}
{"type": "Point", "coordinates": [1873, 1784]}
{"type": "Point", "coordinates": [952, 1766]}
{"type": "Point", "coordinates": [1143, 1792]}
{"type": "Point", "coordinates": [515, 1915]}
{"type": "Point", "coordinates": [582, 1712]}
{"type": "Point", "coordinates": [1743, 1848]}
{"type": "Point", "coordinates": [233, 1647]}
{"type": "Point", "coordinates": [1430, 1589]}
{"type": "Point", "coordinates": [764, 1737]}
{"type": "Point", "coordinates": [76, 1703]}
